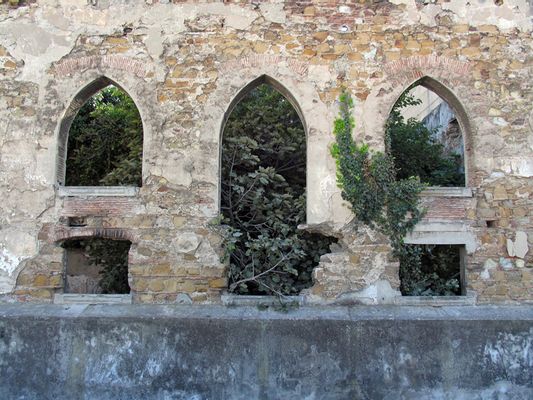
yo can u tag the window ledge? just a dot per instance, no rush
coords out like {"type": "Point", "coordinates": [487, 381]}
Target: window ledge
{"type": "Point", "coordinates": [77, 298]}
{"type": "Point", "coordinates": [97, 191]}
{"type": "Point", "coordinates": [435, 301]}
{"type": "Point", "coordinates": [438, 191]}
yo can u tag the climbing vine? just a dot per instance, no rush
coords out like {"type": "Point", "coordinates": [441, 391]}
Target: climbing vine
{"type": "Point", "coordinates": [369, 183]}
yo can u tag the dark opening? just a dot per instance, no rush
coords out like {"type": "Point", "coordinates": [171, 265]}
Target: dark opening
{"type": "Point", "coordinates": [425, 139]}
{"type": "Point", "coordinates": [96, 265]}
{"type": "Point", "coordinates": [77, 221]}
{"type": "Point", "coordinates": [263, 197]}
{"type": "Point", "coordinates": [432, 270]}
{"type": "Point", "coordinates": [105, 142]}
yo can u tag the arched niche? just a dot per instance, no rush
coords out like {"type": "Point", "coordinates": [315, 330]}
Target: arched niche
{"type": "Point", "coordinates": [86, 270]}
{"type": "Point", "coordinates": [85, 232]}
{"type": "Point", "coordinates": [455, 104]}
{"type": "Point", "coordinates": [108, 235]}
{"type": "Point", "coordinates": [76, 104]}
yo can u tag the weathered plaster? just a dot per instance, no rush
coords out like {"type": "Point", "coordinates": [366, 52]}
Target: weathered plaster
{"type": "Point", "coordinates": [518, 247]}
{"type": "Point", "coordinates": [15, 247]}
{"type": "Point", "coordinates": [511, 14]}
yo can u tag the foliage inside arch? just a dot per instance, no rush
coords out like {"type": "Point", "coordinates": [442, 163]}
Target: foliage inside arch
{"type": "Point", "coordinates": [415, 150]}
{"type": "Point", "coordinates": [369, 182]}
{"type": "Point", "coordinates": [105, 142]}
{"type": "Point", "coordinates": [263, 197]}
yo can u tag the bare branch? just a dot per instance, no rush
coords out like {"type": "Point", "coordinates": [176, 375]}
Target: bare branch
{"type": "Point", "coordinates": [254, 278]}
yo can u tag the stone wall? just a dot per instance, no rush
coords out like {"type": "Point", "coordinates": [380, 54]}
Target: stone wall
{"type": "Point", "coordinates": [187, 63]}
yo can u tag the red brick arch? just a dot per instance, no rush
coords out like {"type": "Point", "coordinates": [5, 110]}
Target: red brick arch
{"type": "Point", "coordinates": [68, 233]}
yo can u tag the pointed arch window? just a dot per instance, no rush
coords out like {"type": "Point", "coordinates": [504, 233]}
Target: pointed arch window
{"type": "Point", "coordinates": [101, 139]}
{"type": "Point", "coordinates": [427, 132]}
{"type": "Point", "coordinates": [263, 193]}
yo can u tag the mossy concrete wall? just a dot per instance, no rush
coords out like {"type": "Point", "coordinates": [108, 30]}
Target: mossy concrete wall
{"type": "Point", "coordinates": [185, 63]}
{"type": "Point", "coordinates": [212, 352]}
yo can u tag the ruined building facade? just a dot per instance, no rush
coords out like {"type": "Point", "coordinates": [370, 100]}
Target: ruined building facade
{"type": "Point", "coordinates": [187, 63]}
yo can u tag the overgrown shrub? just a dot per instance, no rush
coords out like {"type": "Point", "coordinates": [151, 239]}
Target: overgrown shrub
{"type": "Point", "coordinates": [424, 269]}
{"type": "Point", "coordinates": [385, 200]}
{"type": "Point", "coordinates": [263, 198]}
{"type": "Point", "coordinates": [369, 183]}
{"type": "Point", "coordinates": [430, 270]}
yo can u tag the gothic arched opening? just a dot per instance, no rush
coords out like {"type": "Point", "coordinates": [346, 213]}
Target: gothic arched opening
{"type": "Point", "coordinates": [425, 139]}
{"type": "Point", "coordinates": [101, 139]}
{"type": "Point", "coordinates": [263, 195]}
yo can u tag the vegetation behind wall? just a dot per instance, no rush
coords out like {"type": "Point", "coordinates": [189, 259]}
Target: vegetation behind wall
{"type": "Point", "coordinates": [263, 198]}
{"type": "Point", "coordinates": [105, 142]}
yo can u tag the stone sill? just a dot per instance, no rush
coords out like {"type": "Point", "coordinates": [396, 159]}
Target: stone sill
{"type": "Point", "coordinates": [260, 301]}
{"type": "Point", "coordinates": [76, 298]}
{"type": "Point", "coordinates": [435, 301]}
{"type": "Point", "coordinates": [437, 191]}
{"type": "Point", "coordinates": [440, 226]}
{"type": "Point", "coordinates": [97, 191]}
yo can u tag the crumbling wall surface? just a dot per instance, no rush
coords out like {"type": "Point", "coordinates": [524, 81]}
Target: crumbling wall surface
{"type": "Point", "coordinates": [212, 352]}
{"type": "Point", "coordinates": [185, 63]}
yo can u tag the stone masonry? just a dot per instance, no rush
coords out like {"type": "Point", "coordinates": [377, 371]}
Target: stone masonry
{"type": "Point", "coordinates": [187, 63]}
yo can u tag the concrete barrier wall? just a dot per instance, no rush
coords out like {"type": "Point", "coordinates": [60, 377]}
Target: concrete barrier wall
{"type": "Point", "coordinates": [177, 352]}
